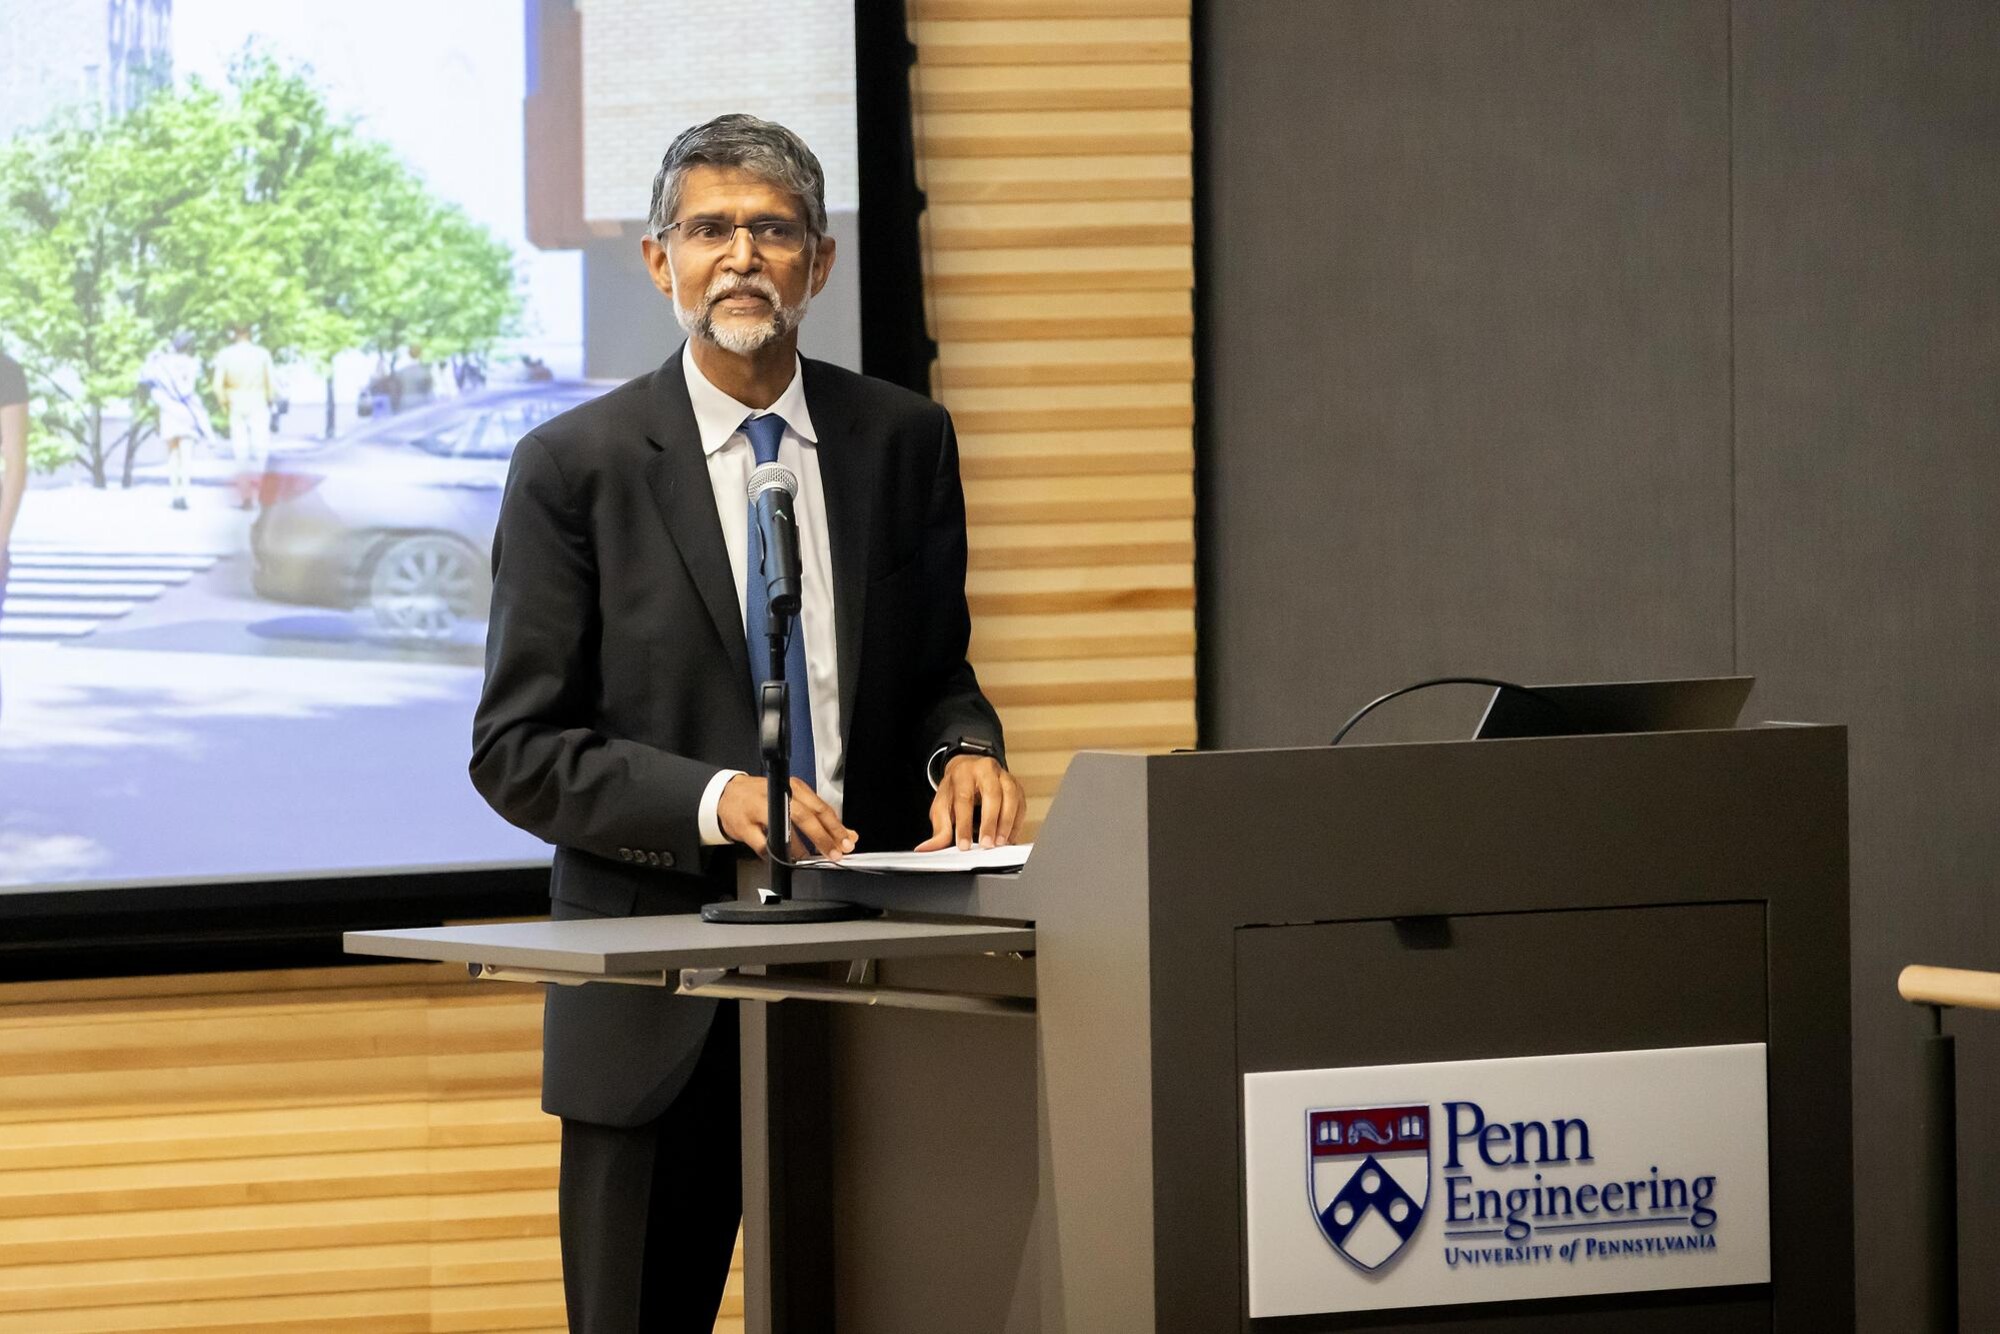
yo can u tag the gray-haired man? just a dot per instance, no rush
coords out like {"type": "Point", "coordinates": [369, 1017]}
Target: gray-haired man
{"type": "Point", "coordinates": [618, 719]}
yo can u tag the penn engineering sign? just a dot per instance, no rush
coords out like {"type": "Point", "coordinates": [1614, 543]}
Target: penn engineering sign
{"type": "Point", "coordinates": [1501, 1180]}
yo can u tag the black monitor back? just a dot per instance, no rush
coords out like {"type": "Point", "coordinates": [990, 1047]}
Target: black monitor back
{"type": "Point", "coordinates": [1694, 704]}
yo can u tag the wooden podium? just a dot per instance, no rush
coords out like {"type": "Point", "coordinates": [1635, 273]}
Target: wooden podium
{"type": "Point", "coordinates": [1023, 1110]}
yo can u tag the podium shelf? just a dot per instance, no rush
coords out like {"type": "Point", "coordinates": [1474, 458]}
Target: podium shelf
{"type": "Point", "coordinates": [613, 947]}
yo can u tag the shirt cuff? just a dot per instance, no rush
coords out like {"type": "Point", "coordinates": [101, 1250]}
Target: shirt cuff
{"type": "Point", "coordinates": [705, 814]}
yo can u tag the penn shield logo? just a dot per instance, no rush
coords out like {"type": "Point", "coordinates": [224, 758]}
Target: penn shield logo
{"type": "Point", "coordinates": [1368, 1174]}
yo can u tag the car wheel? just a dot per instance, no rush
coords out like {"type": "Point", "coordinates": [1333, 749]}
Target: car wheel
{"type": "Point", "coordinates": [426, 585]}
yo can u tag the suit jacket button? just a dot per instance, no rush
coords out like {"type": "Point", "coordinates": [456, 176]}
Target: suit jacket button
{"type": "Point", "coordinates": [653, 857]}
{"type": "Point", "coordinates": [626, 853]}
{"type": "Point", "coordinates": [666, 859]}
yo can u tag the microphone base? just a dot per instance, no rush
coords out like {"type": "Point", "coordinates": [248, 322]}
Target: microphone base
{"type": "Point", "coordinates": [779, 912]}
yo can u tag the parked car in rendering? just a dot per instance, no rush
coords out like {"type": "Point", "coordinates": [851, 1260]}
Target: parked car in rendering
{"type": "Point", "coordinates": [398, 517]}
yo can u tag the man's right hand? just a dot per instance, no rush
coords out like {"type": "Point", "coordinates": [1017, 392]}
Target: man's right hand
{"type": "Point", "coordinates": [744, 811]}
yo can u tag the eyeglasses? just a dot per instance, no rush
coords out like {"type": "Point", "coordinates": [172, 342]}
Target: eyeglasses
{"type": "Point", "coordinates": [772, 236]}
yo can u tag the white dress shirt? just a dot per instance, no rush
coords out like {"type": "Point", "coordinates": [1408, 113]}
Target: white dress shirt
{"type": "Point", "coordinates": [719, 420]}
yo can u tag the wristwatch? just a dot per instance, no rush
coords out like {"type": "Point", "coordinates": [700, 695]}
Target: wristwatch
{"type": "Point", "coordinates": [965, 745]}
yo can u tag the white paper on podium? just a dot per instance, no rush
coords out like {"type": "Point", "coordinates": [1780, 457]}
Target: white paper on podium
{"type": "Point", "coordinates": [944, 861]}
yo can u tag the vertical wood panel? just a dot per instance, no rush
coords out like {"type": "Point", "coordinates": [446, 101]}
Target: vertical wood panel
{"type": "Point", "coordinates": [1054, 143]}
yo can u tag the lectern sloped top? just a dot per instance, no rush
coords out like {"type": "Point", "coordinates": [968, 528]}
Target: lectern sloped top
{"type": "Point", "coordinates": [623, 946]}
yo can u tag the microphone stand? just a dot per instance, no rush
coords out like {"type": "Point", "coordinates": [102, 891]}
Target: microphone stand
{"type": "Point", "coordinates": [774, 737]}
{"type": "Point", "coordinates": [774, 740]}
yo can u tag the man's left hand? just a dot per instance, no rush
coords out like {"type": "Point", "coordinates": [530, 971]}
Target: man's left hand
{"type": "Point", "coordinates": [975, 781]}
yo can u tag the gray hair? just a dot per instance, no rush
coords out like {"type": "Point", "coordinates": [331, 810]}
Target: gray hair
{"type": "Point", "coordinates": [762, 147]}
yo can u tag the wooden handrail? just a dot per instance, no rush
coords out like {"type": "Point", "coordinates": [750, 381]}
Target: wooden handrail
{"type": "Point", "coordinates": [1969, 988]}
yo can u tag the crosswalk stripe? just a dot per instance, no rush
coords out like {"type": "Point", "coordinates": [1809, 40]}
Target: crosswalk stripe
{"type": "Point", "coordinates": [42, 549]}
{"type": "Point", "coordinates": [70, 574]}
{"type": "Point", "coordinates": [61, 588]}
{"type": "Point", "coordinates": [37, 606]}
{"type": "Point", "coordinates": [45, 627]}
{"type": "Point", "coordinates": [194, 564]}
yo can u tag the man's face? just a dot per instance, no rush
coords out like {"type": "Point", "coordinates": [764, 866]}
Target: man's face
{"type": "Point", "coordinates": [740, 295]}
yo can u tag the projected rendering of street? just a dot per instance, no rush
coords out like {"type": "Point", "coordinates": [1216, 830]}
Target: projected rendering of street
{"type": "Point", "coordinates": [286, 285]}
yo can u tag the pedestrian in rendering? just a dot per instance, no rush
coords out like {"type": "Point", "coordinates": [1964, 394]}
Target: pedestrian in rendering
{"type": "Point", "coordinates": [376, 402]}
{"type": "Point", "coordinates": [13, 454]}
{"type": "Point", "coordinates": [246, 382]}
{"type": "Point", "coordinates": [173, 377]}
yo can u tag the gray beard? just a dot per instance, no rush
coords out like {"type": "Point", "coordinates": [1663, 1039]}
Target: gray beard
{"type": "Point", "coordinates": [737, 337]}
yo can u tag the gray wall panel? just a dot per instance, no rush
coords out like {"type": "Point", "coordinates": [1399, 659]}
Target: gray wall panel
{"type": "Point", "coordinates": [1567, 340]}
{"type": "Point", "coordinates": [1466, 348]}
{"type": "Point", "coordinates": [1868, 408]}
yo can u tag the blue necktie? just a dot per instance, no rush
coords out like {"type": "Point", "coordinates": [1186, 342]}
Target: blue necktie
{"type": "Point", "coordinates": [765, 432]}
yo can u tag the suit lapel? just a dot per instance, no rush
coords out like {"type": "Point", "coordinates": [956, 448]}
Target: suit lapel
{"type": "Point", "coordinates": [847, 475]}
{"type": "Point", "coordinates": [677, 475]}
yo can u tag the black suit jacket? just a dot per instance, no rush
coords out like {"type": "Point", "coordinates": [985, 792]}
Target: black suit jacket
{"type": "Point", "coordinates": [617, 682]}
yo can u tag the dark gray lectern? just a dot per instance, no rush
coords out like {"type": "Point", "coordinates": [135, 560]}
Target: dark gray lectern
{"type": "Point", "coordinates": [957, 1158]}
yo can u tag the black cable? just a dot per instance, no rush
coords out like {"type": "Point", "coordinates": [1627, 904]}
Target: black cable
{"type": "Point", "coordinates": [824, 865]}
{"type": "Point", "coordinates": [845, 869]}
{"type": "Point", "coordinates": [1369, 707]}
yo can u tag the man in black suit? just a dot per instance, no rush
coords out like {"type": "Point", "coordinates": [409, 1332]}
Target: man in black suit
{"type": "Point", "coordinates": [618, 717]}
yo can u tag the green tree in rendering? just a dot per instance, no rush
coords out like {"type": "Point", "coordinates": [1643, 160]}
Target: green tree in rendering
{"type": "Point", "coordinates": [204, 208]}
{"type": "Point", "coordinates": [72, 287]}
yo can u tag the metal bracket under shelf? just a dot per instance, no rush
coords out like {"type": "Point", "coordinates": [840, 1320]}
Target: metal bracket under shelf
{"type": "Point", "coordinates": [730, 984]}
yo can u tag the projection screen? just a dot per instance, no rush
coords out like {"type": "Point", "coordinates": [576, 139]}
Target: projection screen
{"type": "Point", "coordinates": [241, 637]}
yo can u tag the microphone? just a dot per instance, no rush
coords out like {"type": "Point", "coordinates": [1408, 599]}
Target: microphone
{"type": "Point", "coordinates": [772, 488]}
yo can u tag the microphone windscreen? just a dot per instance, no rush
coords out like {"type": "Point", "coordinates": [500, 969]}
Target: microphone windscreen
{"type": "Point", "coordinates": [773, 476]}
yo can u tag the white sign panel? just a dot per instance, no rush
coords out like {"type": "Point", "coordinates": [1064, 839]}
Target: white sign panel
{"type": "Point", "coordinates": [1480, 1181]}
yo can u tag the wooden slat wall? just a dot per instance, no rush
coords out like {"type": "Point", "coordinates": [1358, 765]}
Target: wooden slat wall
{"type": "Point", "coordinates": [352, 1149]}
{"type": "Point", "coordinates": [1054, 142]}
